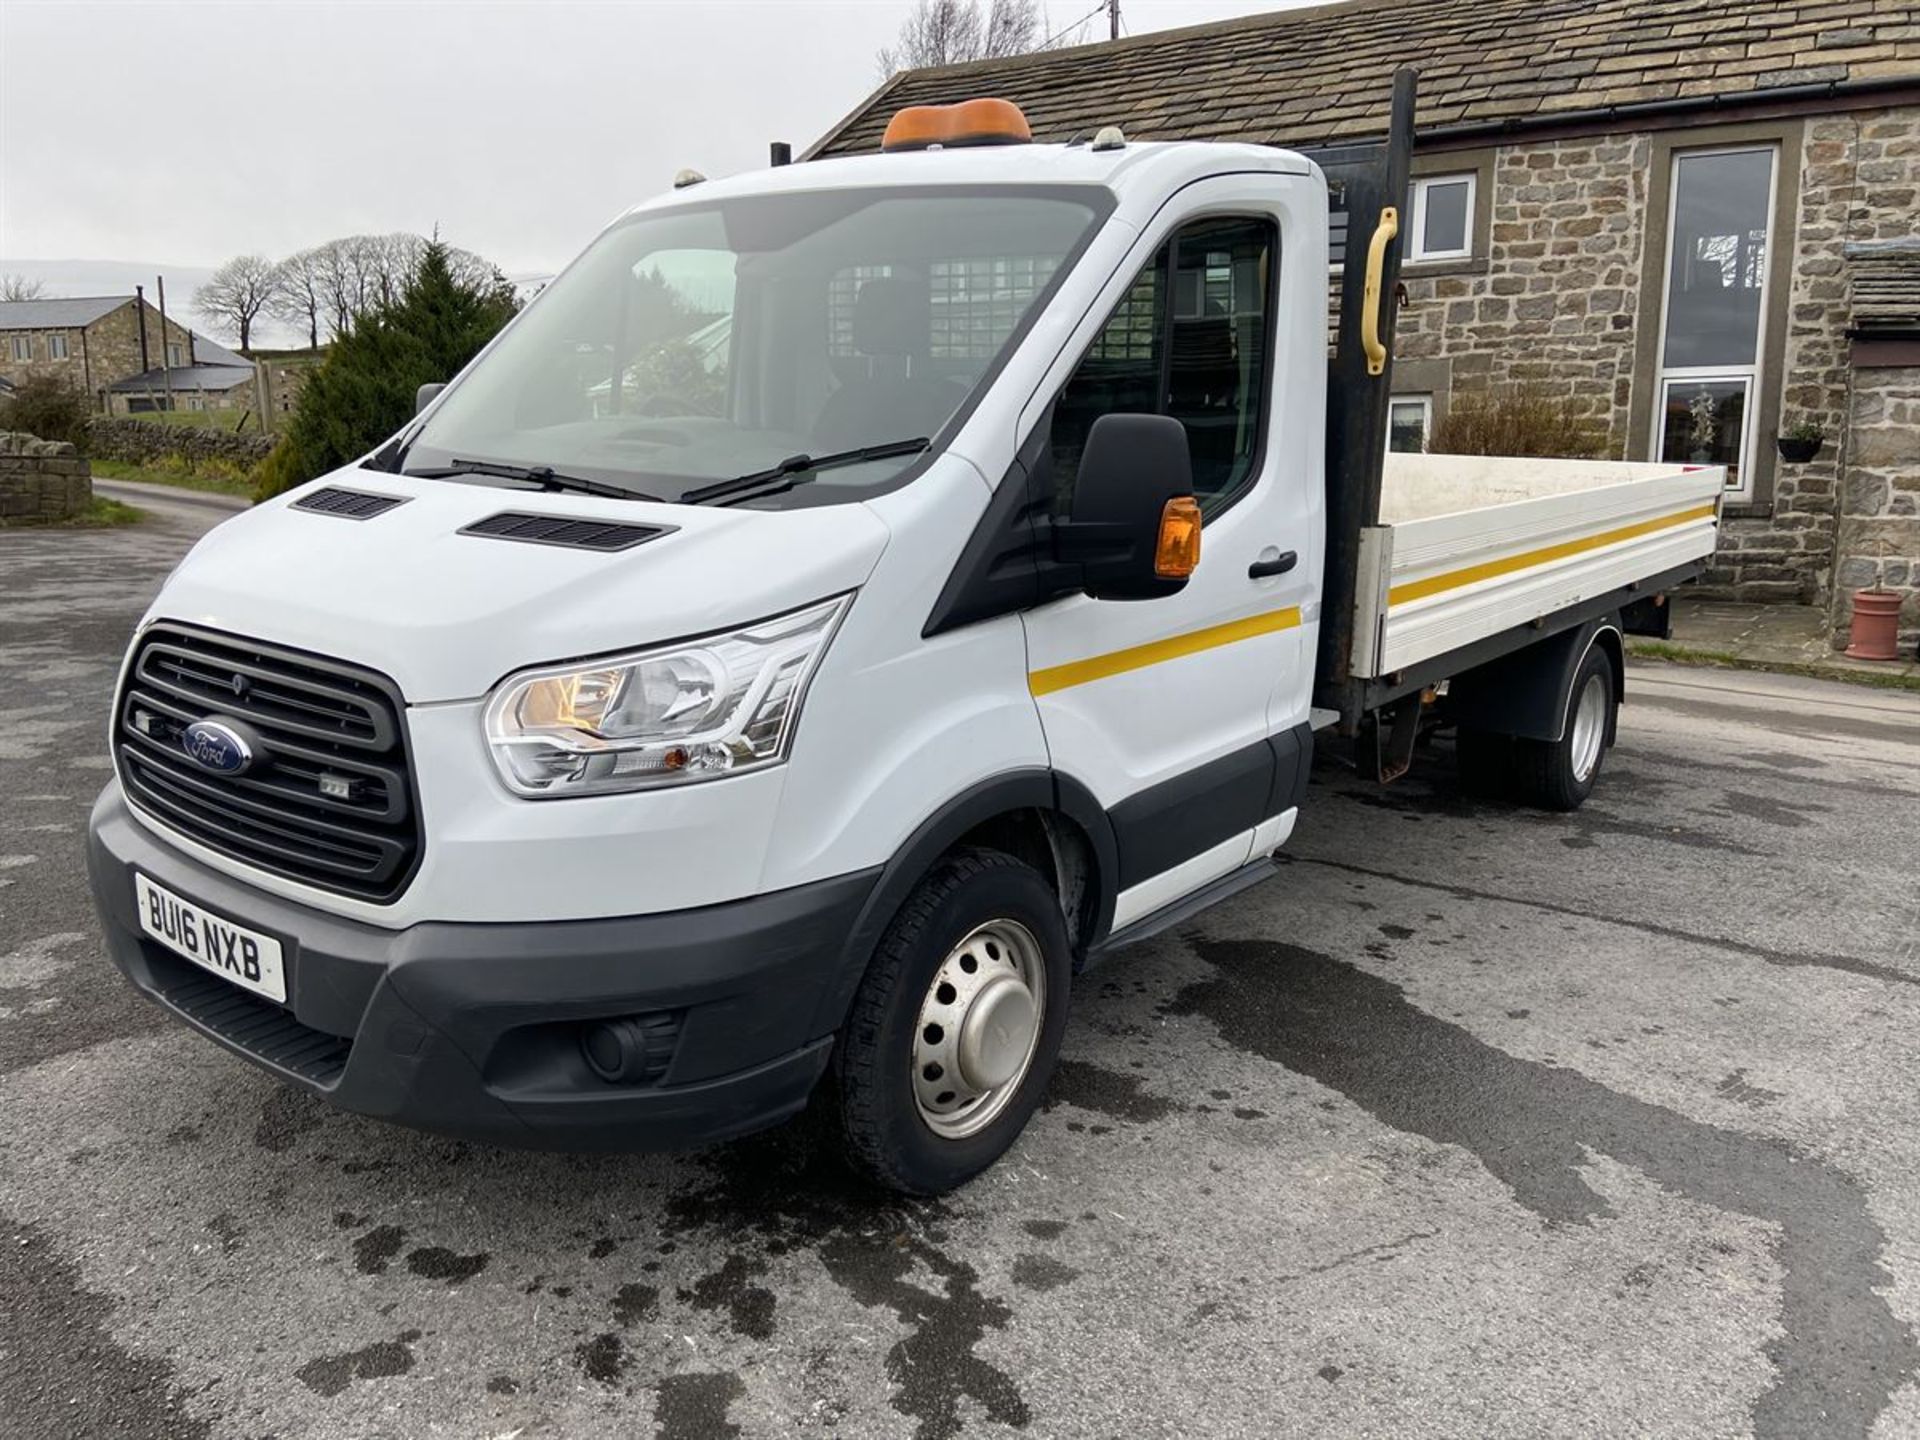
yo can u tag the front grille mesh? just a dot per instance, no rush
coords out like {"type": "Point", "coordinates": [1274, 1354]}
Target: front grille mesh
{"type": "Point", "coordinates": [329, 799]}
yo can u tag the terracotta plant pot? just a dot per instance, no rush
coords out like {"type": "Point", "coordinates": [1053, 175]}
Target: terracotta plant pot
{"type": "Point", "coordinates": [1876, 626]}
{"type": "Point", "coordinates": [1797, 452]}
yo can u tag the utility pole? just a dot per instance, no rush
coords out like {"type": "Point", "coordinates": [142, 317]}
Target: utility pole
{"type": "Point", "coordinates": [1113, 19]}
{"type": "Point", "coordinates": [166, 357]}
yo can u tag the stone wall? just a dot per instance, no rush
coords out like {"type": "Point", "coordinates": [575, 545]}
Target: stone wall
{"type": "Point", "coordinates": [1552, 304]}
{"type": "Point", "coordinates": [142, 441]}
{"type": "Point", "coordinates": [1554, 298]}
{"type": "Point", "coordinates": [1879, 524]}
{"type": "Point", "coordinates": [42, 482]}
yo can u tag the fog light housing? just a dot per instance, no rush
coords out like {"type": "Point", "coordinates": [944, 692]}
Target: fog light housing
{"type": "Point", "coordinates": [632, 1049]}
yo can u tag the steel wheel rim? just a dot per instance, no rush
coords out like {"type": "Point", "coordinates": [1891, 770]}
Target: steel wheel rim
{"type": "Point", "coordinates": [979, 1022]}
{"type": "Point", "coordinates": [1589, 727]}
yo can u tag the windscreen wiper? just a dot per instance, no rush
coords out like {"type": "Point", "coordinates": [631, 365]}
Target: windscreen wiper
{"type": "Point", "coordinates": [795, 469]}
{"type": "Point", "coordinates": [545, 476]}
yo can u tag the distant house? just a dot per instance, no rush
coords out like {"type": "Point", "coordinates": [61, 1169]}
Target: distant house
{"type": "Point", "coordinates": [115, 350]}
{"type": "Point", "coordinates": [1700, 224]}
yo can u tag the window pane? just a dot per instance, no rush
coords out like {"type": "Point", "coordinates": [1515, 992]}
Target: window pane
{"type": "Point", "coordinates": [1121, 375]}
{"type": "Point", "coordinates": [1703, 424]}
{"type": "Point", "coordinates": [1211, 350]}
{"type": "Point", "coordinates": [1446, 219]}
{"type": "Point", "coordinates": [1719, 258]}
{"type": "Point", "coordinates": [1407, 426]}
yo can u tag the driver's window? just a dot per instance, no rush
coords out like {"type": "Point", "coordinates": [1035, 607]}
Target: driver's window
{"type": "Point", "coordinates": [1190, 339]}
{"type": "Point", "coordinates": [673, 348]}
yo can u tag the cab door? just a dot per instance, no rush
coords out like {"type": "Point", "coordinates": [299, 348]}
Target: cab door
{"type": "Point", "coordinates": [1183, 715]}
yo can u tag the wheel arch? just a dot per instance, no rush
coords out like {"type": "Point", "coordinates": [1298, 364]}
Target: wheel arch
{"type": "Point", "coordinates": [1046, 819]}
{"type": "Point", "coordinates": [1526, 694]}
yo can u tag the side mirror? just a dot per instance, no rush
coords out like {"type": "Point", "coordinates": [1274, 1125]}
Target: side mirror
{"type": "Point", "coordinates": [423, 397]}
{"type": "Point", "coordinates": [1135, 526]}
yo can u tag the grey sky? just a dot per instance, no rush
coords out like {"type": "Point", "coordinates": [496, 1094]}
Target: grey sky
{"type": "Point", "coordinates": [517, 128]}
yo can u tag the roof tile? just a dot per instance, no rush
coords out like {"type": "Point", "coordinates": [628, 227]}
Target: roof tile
{"type": "Point", "coordinates": [1305, 76]}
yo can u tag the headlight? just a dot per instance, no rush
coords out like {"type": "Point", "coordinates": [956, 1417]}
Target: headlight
{"type": "Point", "coordinates": [693, 711]}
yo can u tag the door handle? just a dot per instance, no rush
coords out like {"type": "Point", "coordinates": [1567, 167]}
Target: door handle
{"type": "Point", "coordinates": [1273, 564]}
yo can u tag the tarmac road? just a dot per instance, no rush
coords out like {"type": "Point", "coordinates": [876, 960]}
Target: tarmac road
{"type": "Point", "coordinates": [1472, 1122]}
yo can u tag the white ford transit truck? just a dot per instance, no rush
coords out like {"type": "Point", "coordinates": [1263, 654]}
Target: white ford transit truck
{"type": "Point", "coordinates": [845, 604]}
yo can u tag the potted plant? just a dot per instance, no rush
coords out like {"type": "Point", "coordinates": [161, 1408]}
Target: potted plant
{"type": "Point", "coordinates": [1801, 442]}
{"type": "Point", "coordinates": [1875, 631]}
{"type": "Point", "coordinates": [1703, 425]}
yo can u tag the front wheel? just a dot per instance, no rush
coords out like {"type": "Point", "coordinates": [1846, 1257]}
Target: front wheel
{"type": "Point", "coordinates": [956, 1026]}
{"type": "Point", "coordinates": [1559, 774]}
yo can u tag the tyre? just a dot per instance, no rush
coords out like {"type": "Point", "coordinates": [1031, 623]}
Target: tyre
{"type": "Point", "coordinates": [955, 1027]}
{"type": "Point", "coordinates": [1559, 774]}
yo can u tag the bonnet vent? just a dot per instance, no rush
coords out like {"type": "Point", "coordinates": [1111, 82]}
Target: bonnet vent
{"type": "Point", "coordinates": [348, 504]}
{"type": "Point", "coordinates": [605, 535]}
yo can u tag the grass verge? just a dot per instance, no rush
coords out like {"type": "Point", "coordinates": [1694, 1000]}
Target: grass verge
{"type": "Point", "coordinates": [1723, 660]}
{"type": "Point", "coordinates": [217, 482]}
{"type": "Point", "coordinates": [98, 515]}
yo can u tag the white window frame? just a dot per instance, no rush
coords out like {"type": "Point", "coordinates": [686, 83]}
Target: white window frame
{"type": "Point", "coordinates": [1751, 375]}
{"type": "Point", "coordinates": [176, 355]}
{"type": "Point", "coordinates": [57, 346]}
{"type": "Point", "coordinates": [22, 347]}
{"type": "Point", "coordinates": [1425, 402]}
{"type": "Point", "coordinates": [1417, 253]}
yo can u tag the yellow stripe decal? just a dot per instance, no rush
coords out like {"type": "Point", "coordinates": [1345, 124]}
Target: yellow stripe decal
{"type": "Point", "coordinates": [1454, 579]}
{"type": "Point", "coordinates": [1138, 657]}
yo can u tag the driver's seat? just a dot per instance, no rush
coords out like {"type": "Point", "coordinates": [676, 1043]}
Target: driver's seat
{"type": "Point", "coordinates": [889, 394]}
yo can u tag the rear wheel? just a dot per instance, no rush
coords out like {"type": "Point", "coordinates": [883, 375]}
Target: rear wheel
{"type": "Point", "coordinates": [956, 1025]}
{"type": "Point", "coordinates": [1560, 774]}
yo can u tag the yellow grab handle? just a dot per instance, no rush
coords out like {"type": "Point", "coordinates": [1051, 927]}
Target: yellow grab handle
{"type": "Point", "coordinates": [1388, 227]}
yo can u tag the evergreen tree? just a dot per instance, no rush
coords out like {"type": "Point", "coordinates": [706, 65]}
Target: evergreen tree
{"type": "Point", "coordinates": [364, 391]}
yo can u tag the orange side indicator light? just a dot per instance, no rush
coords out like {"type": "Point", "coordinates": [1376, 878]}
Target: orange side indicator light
{"type": "Point", "coordinates": [971, 122]}
{"type": "Point", "coordinates": [1177, 553]}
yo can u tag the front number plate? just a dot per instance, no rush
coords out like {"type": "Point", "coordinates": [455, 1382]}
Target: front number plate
{"type": "Point", "coordinates": [246, 957]}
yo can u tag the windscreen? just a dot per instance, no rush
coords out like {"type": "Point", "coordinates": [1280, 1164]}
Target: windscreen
{"type": "Point", "coordinates": [710, 342]}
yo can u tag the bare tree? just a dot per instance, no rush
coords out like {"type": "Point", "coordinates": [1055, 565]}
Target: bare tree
{"type": "Point", "coordinates": [19, 287]}
{"type": "Point", "coordinates": [237, 294]}
{"type": "Point", "coordinates": [297, 294]}
{"type": "Point", "coordinates": [950, 32]}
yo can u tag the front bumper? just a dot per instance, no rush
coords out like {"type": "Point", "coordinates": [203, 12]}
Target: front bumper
{"type": "Point", "coordinates": [473, 1029]}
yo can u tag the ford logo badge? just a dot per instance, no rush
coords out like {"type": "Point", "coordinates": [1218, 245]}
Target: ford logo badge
{"type": "Point", "coordinates": [215, 746]}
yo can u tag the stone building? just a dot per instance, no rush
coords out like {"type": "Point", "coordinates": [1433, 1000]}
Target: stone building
{"type": "Point", "coordinates": [1698, 223]}
{"type": "Point", "coordinates": [98, 344]}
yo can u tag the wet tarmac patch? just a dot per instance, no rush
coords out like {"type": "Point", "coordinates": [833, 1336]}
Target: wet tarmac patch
{"type": "Point", "coordinates": [70, 1376]}
{"type": "Point", "coordinates": [1042, 1273]}
{"type": "Point", "coordinates": [1840, 1354]}
{"type": "Point", "coordinates": [1106, 1092]}
{"type": "Point", "coordinates": [695, 1406]}
{"type": "Point", "coordinates": [332, 1374]}
{"type": "Point", "coordinates": [376, 1249]}
{"type": "Point", "coordinates": [603, 1358]}
{"type": "Point", "coordinates": [436, 1262]}
{"type": "Point", "coordinates": [633, 1304]}
{"type": "Point", "coordinates": [749, 1307]}
{"type": "Point", "coordinates": [785, 1190]}
{"type": "Point", "coordinates": [285, 1116]}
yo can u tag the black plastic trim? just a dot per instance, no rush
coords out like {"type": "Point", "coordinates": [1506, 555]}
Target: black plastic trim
{"type": "Point", "coordinates": [1188, 906]}
{"type": "Point", "coordinates": [1035, 789]}
{"type": "Point", "coordinates": [1528, 692]}
{"type": "Point", "coordinates": [1169, 823]}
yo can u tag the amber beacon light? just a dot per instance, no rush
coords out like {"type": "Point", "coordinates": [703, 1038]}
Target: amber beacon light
{"type": "Point", "coordinates": [971, 122]}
